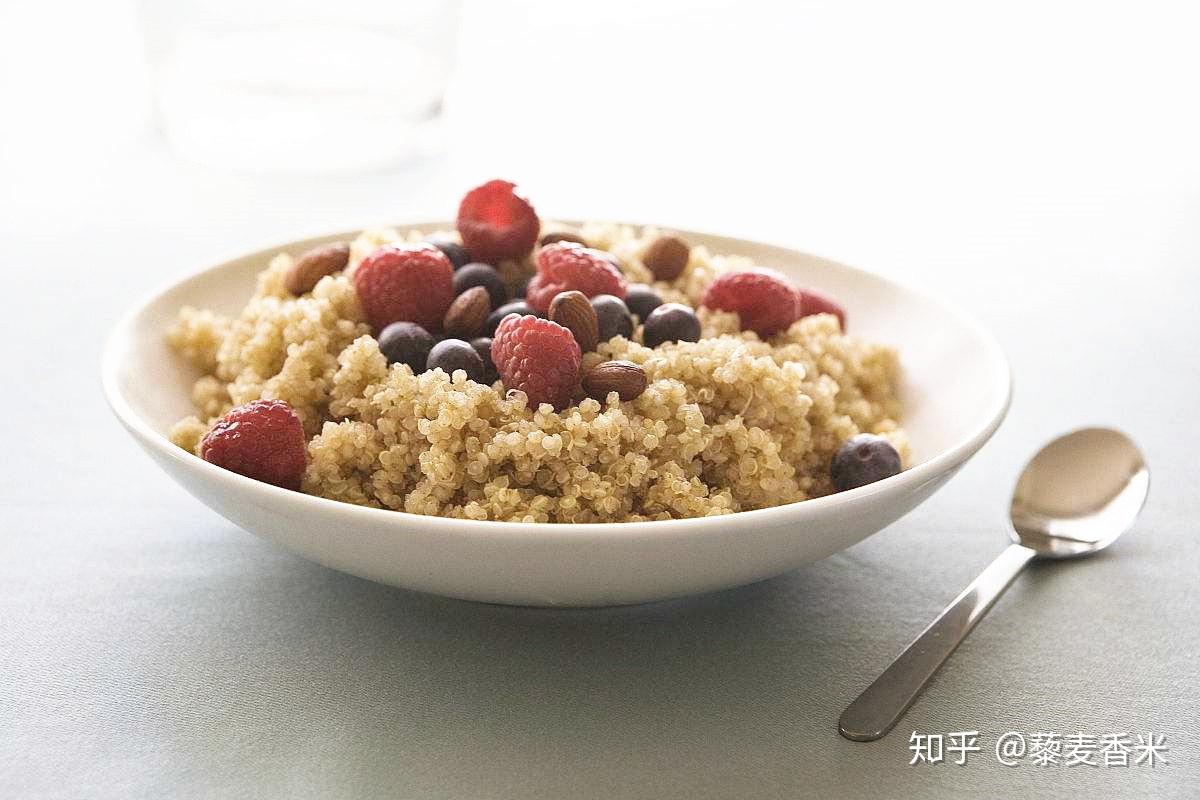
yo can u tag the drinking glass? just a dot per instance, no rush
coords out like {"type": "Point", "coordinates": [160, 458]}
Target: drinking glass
{"type": "Point", "coordinates": [303, 86]}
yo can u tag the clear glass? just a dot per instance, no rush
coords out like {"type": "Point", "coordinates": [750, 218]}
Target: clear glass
{"type": "Point", "coordinates": [301, 86]}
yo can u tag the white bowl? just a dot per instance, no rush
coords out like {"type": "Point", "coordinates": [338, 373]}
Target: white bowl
{"type": "Point", "coordinates": [955, 390]}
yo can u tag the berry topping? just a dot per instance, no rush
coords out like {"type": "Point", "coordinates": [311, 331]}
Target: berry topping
{"type": "Point", "coordinates": [263, 440]}
{"type": "Point", "coordinates": [515, 307]}
{"type": "Point", "coordinates": [641, 300]}
{"type": "Point", "coordinates": [483, 275]}
{"type": "Point", "coordinates": [815, 302]}
{"type": "Point", "coordinates": [671, 322]}
{"type": "Point", "coordinates": [863, 459]}
{"type": "Point", "coordinates": [497, 223]}
{"type": "Point", "coordinates": [539, 357]}
{"type": "Point", "coordinates": [764, 300]}
{"type": "Point", "coordinates": [451, 354]}
{"type": "Point", "coordinates": [406, 343]}
{"type": "Point", "coordinates": [539, 290]}
{"type": "Point", "coordinates": [612, 259]}
{"type": "Point", "coordinates": [612, 317]}
{"type": "Point", "coordinates": [564, 266]}
{"type": "Point", "coordinates": [412, 282]}
{"type": "Point", "coordinates": [483, 346]}
{"type": "Point", "coordinates": [458, 255]}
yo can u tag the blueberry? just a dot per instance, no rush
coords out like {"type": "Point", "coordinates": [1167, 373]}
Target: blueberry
{"type": "Point", "coordinates": [863, 459]}
{"type": "Point", "coordinates": [670, 322]}
{"type": "Point", "coordinates": [452, 354]}
{"type": "Point", "coordinates": [612, 317]}
{"type": "Point", "coordinates": [406, 343]}
{"type": "Point", "coordinates": [515, 307]}
{"type": "Point", "coordinates": [482, 275]}
{"type": "Point", "coordinates": [483, 346]}
{"type": "Point", "coordinates": [454, 251]}
{"type": "Point", "coordinates": [522, 287]}
{"type": "Point", "coordinates": [641, 300]}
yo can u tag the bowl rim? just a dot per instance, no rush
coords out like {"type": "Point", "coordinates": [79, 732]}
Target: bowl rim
{"type": "Point", "coordinates": [910, 478]}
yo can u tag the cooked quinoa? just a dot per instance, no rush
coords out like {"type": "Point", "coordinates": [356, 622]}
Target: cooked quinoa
{"type": "Point", "coordinates": [728, 423]}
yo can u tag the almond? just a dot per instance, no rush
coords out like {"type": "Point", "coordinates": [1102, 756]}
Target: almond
{"type": "Point", "coordinates": [467, 313]}
{"type": "Point", "coordinates": [561, 236]}
{"type": "Point", "coordinates": [625, 378]}
{"type": "Point", "coordinates": [574, 312]}
{"type": "Point", "coordinates": [666, 257]}
{"type": "Point", "coordinates": [308, 269]}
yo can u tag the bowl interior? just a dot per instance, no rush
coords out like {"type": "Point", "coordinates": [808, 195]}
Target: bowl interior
{"type": "Point", "coordinates": [955, 379]}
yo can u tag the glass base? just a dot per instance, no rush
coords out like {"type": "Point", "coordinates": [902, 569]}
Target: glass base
{"type": "Point", "coordinates": [301, 100]}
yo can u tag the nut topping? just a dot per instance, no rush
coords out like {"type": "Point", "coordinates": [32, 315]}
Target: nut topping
{"type": "Point", "coordinates": [574, 312]}
{"type": "Point", "coordinates": [625, 378]}
{"type": "Point", "coordinates": [467, 313]}
{"type": "Point", "coordinates": [561, 236]}
{"type": "Point", "coordinates": [307, 270]}
{"type": "Point", "coordinates": [666, 257]}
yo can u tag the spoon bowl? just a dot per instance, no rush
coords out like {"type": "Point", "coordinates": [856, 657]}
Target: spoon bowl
{"type": "Point", "coordinates": [1079, 493]}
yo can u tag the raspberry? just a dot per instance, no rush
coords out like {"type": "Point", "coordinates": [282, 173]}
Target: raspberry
{"type": "Point", "coordinates": [497, 223]}
{"type": "Point", "coordinates": [814, 302]}
{"type": "Point", "coordinates": [764, 300]}
{"type": "Point", "coordinates": [263, 440]}
{"type": "Point", "coordinates": [410, 283]}
{"type": "Point", "coordinates": [564, 266]}
{"type": "Point", "coordinates": [539, 292]}
{"type": "Point", "coordinates": [539, 357]}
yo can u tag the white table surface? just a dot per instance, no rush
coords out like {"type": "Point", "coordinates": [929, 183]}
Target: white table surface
{"type": "Point", "coordinates": [1037, 163]}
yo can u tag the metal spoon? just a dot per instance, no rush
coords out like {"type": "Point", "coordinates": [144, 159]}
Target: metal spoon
{"type": "Point", "coordinates": [1075, 497]}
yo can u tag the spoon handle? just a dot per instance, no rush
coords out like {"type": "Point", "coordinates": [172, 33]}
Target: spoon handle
{"type": "Point", "coordinates": [882, 704]}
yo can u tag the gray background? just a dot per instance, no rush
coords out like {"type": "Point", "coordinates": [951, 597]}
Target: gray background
{"type": "Point", "coordinates": [149, 648]}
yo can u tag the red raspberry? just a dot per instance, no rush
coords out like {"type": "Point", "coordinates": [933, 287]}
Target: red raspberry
{"type": "Point", "coordinates": [539, 357]}
{"type": "Point", "coordinates": [813, 301]}
{"type": "Point", "coordinates": [497, 223]}
{"type": "Point", "coordinates": [263, 440]}
{"type": "Point", "coordinates": [538, 293]}
{"type": "Point", "coordinates": [410, 283]}
{"type": "Point", "coordinates": [563, 266]}
{"type": "Point", "coordinates": [764, 300]}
